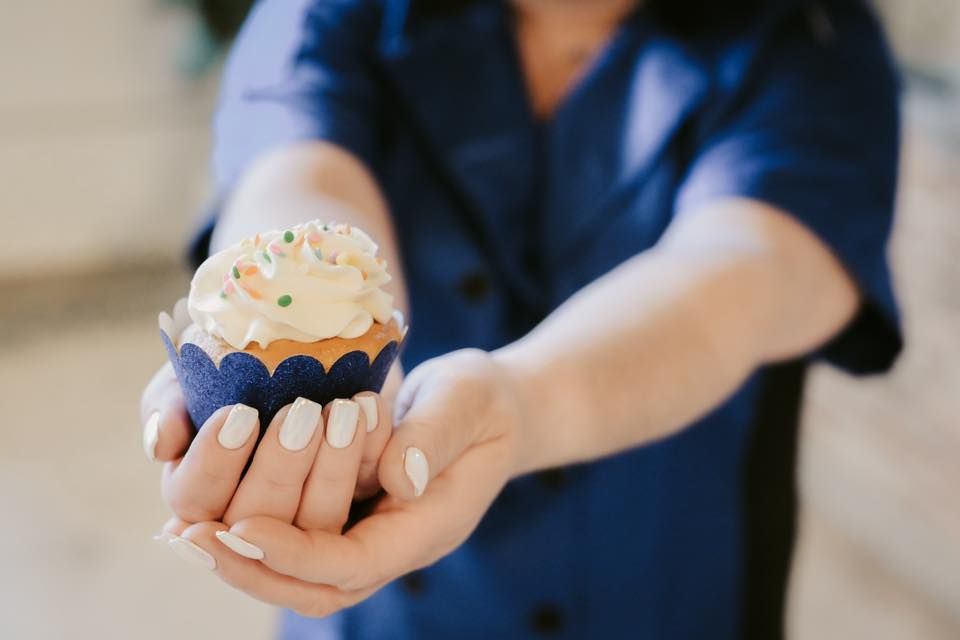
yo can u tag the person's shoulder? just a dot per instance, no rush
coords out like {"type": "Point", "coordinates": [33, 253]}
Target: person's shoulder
{"type": "Point", "coordinates": [784, 37]}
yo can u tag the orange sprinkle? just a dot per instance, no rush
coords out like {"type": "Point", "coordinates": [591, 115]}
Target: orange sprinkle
{"type": "Point", "coordinates": [253, 293]}
{"type": "Point", "coordinates": [314, 238]}
{"type": "Point", "coordinates": [298, 242]}
{"type": "Point", "coordinates": [251, 270]}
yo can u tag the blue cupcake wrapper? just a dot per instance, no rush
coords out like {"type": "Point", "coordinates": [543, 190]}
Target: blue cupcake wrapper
{"type": "Point", "coordinates": [242, 378]}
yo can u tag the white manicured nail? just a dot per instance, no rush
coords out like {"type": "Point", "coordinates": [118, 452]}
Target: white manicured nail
{"type": "Point", "coordinates": [164, 536]}
{"type": "Point", "coordinates": [191, 552]}
{"type": "Point", "coordinates": [240, 546]}
{"type": "Point", "coordinates": [238, 426]}
{"type": "Point", "coordinates": [342, 423]}
{"type": "Point", "coordinates": [151, 435]}
{"type": "Point", "coordinates": [369, 406]}
{"type": "Point", "coordinates": [299, 425]}
{"type": "Point", "coordinates": [416, 467]}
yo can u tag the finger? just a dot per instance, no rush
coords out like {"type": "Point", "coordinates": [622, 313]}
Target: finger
{"type": "Point", "coordinates": [439, 424]}
{"type": "Point", "coordinates": [171, 529]}
{"type": "Point", "coordinates": [167, 430]}
{"type": "Point", "coordinates": [200, 543]}
{"type": "Point", "coordinates": [274, 482]}
{"type": "Point", "coordinates": [199, 486]}
{"type": "Point", "coordinates": [400, 537]}
{"type": "Point", "coordinates": [376, 416]}
{"type": "Point", "coordinates": [329, 488]}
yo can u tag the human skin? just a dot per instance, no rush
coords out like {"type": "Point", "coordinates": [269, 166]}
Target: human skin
{"type": "Point", "coordinates": [730, 287]}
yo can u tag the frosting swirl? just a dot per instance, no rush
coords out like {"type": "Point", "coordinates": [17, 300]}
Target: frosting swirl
{"type": "Point", "coordinates": [308, 283]}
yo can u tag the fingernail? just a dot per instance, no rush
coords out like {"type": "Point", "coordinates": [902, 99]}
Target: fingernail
{"type": "Point", "coordinates": [240, 546]}
{"type": "Point", "coordinates": [238, 426]}
{"type": "Point", "coordinates": [151, 435]}
{"type": "Point", "coordinates": [191, 552]}
{"type": "Point", "coordinates": [342, 424]}
{"type": "Point", "coordinates": [298, 427]}
{"type": "Point", "coordinates": [369, 406]}
{"type": "Point", "coordinates": [417, 470]}
{"type": "Point", "coordinates": [164, 536]}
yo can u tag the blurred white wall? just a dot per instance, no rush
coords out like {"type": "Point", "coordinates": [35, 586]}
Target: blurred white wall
{"type": "Point", "coordinates": [103, 144]}
{"type": "Point", "coordinates": [925, 33]}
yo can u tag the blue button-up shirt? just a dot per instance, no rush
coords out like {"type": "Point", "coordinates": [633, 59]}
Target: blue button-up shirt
{"type": "Point", "coordinates": [501, 218]}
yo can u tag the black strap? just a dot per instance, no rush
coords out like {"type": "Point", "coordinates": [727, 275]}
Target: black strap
{"type": "Point", "coordinates": [770, 501]}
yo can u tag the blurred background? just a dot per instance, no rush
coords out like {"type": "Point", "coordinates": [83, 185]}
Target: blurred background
{"type": "Point", "coordinates": [104, 111]}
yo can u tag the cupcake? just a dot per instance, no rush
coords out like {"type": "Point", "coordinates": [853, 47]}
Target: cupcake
{"type": "Point", "coordinates": [294, 313]}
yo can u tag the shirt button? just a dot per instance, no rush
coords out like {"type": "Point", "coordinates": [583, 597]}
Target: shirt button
{"type": "Point", "coordinates": [474, 286]}
{"type": "Point", "coordinates": [546, 619]}
{"type": "Point", "coordinates": [555, 479]}
{"type": "Point", "coordinates": [413, 583]}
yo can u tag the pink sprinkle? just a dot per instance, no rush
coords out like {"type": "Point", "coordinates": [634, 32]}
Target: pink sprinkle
{"type": "Point", "coordinates": [228, 288]}
{"type": "Point", "coordinates": [275, 250]}
{"type": "Point", "coordinates": [314, 238]}
{"type": "Point", "coordinates": [333, 257]}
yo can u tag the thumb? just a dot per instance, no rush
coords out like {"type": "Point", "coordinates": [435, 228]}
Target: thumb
{"type": "Point", "coordinates": [433, 432]}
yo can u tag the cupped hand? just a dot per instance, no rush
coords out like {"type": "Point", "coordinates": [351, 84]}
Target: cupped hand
{"type": "Point", "coordinates": [455, 447]}
{"type": "Point", "coordinates": [306, 469]}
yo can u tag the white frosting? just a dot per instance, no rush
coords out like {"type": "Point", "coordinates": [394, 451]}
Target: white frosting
{"type": "Point", "coordinates": [308, 283]}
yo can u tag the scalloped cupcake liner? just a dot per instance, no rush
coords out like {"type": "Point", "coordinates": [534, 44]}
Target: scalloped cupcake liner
{"type": "Point", "coordinates": [242, 378]}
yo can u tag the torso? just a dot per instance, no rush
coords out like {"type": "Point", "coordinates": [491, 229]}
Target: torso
{"type": "Point", "coordinates": [557, 41]}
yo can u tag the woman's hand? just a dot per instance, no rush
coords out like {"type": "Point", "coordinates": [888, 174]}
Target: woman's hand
{"type": "Point", "coordinates": [456, 445]}
{"type": "Point", "coordinates": [306, 469]}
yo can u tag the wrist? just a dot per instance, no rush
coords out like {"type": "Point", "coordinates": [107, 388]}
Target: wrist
{"type": "Point", "coordinates": [543, 441]}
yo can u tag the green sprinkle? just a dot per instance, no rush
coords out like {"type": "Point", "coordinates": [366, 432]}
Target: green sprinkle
{"type": "Point", "coordinates": [284, 300]}
{"type": "Point", "coordinates": [236, 273]}
{"type": "Point", "coordinates": [319, 254]}
{"type": "Point", "coordinates": [223, 294]}
{"type": "Point", "coordinates": [288, 236]}
{"type": "Point", "coordinates": [266, 256]}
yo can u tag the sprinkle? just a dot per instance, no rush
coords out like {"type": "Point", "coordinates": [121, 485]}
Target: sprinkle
{"type": "Point", "coordinates": [333, 256]}
{"type": "Point", "coordinates": [318, 253]}
{"type": "Point", "coordinates": [326, 227]}
{"type": "Point", "coordinates": [253, 293]}
{"type": "Point", "coordinates": [251, 270]}
{"type": "Point", "coordinates": [314, 237]}
{"type": "Point", "coordinates": [236, 272]}
{"type": "Point", "coordinates": [277, 251]}
{"type": "Point", "coordinates": [298, 243]}
{"type": "Point", "coordinates": [223, 295]}
{"type": "Point", "coordinates": [256, 240]}
{"type": "Point", "coordinates": [288, 236]}
{"type": "Point", "coordinates": [228, 288]}
{"type": "Point", "coordinates": [284, 300]}
{"type": "Point", "coordinates": [266, 256]}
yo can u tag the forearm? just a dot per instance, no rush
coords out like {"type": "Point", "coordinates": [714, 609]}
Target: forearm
{"type": "Point", "coordinates": [308, 181]}
{"type": "Point", "coordinates": [668, 335]}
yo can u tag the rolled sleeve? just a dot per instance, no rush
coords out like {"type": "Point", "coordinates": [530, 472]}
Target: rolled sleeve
{"type": "Point", "coordinates": [816, 134]}
{"type": "Point", "coordinates": [299, 70]}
